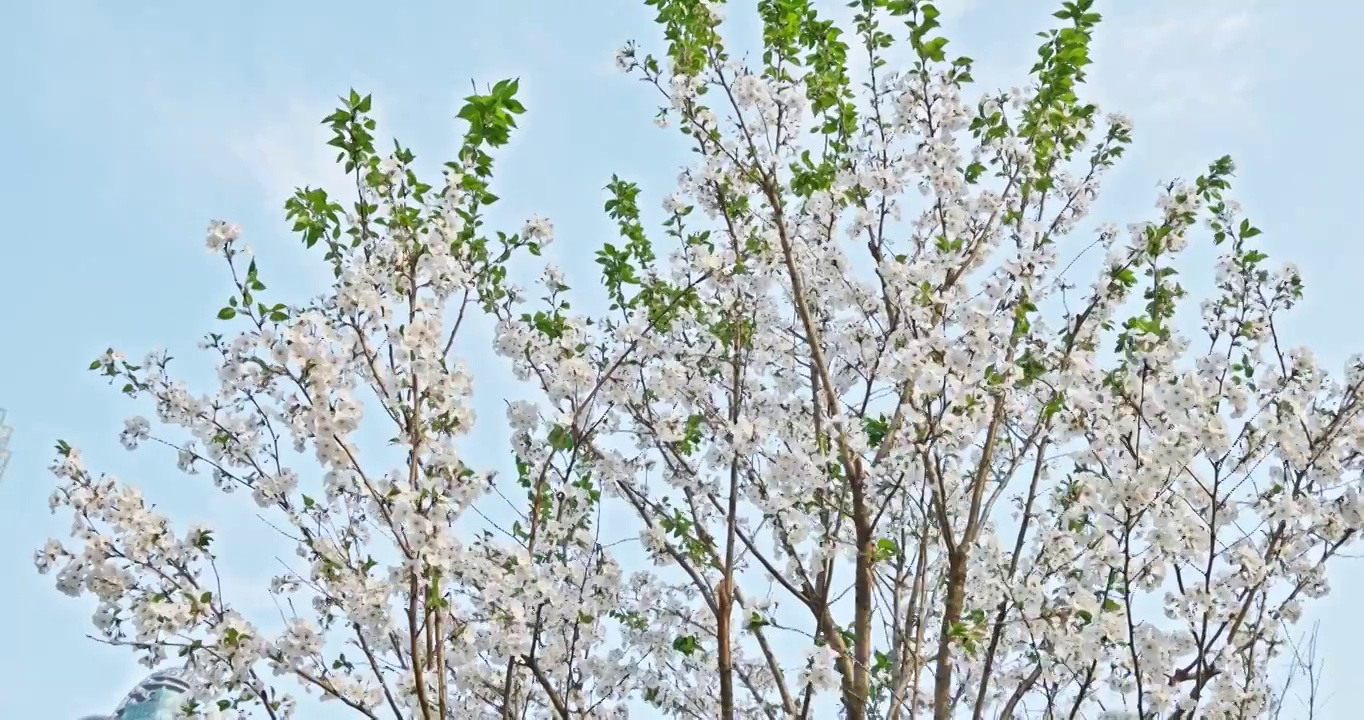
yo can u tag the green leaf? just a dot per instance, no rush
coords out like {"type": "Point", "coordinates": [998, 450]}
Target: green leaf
{"type": "Point", "coordinates": [560, 439]}
{"type": "Point", "coordinates": [887, 549]}
{"type": "Point", "coordinates": [686, 644]}
{"type": "Point", "coordinates": [227, 313]}
{"type": "Point", "coordinates": [876, 429]}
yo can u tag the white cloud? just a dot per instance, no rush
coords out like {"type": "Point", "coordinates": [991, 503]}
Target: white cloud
{"type": "Point", "coordinates": [1174, 60]}
{"type": "Point", "coordinates": [952, 10]}
{"type": "Point", "coordinates": [282, 145]}
{"type": "Point", "coordinates": [268, 142]}
{"type": "Point", "coordinates": [265, 136]}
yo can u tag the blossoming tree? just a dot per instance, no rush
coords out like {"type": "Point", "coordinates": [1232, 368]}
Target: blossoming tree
{"type": "Point", "coordinates": [886, 456]}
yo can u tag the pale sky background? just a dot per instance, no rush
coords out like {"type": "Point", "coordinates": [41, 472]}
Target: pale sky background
{"type": "Point", "coordinates": [126, 126]}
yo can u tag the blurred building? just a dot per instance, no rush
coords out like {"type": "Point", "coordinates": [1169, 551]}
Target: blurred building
{"type": "Point", "coordinates": [156, 698]}
{"type": "Point", "coordinates": [5, 431]}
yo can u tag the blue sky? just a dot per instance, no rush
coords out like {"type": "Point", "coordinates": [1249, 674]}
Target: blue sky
{"type": "Point", "coordinates": [128, 126]}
